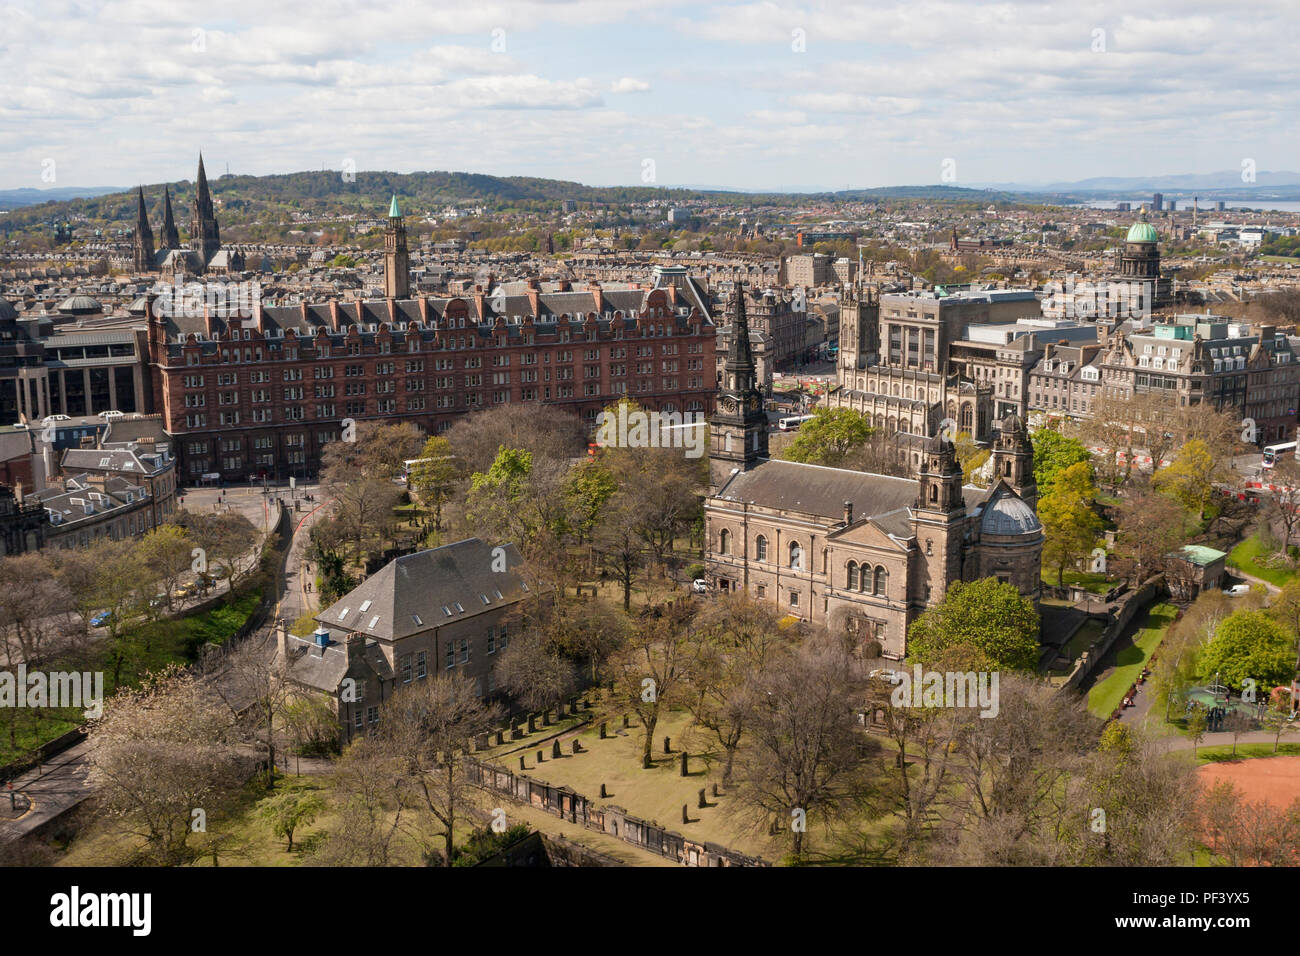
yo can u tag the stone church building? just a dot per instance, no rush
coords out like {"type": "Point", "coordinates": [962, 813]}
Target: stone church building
{"type": "Point", "coordinates": [850, 549]}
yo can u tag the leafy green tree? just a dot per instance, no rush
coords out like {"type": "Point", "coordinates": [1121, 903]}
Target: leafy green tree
{"type": "Point", "coordinates": [987, 614]}
{"type": "Point", "coordinates": [1250, 644]}
{"type": "Point", "coordinates": [1053, 454]}
{"type": "Point", "coordinates": [1069, 519]}
{"type": "Point", "coordinates": [166, 554]}
{"type": "Point", "coordinates": [590, 486]}
{"type": "Point", "coordinates": [829, 437]}
{"type": "Point", "coordinates": [434, 475]}
{"type": "Point", "coordinates": [1191, 476]}
{"type": "Point", "coordinates": [287, 811]}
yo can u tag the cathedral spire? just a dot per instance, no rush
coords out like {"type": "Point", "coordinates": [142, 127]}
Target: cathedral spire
{"type": "Point", "coordinates": [142, 252]}
{"type": "Point", "coordinates": [205, 238]}
{"type": "Point", "coordinates": [170, 237]}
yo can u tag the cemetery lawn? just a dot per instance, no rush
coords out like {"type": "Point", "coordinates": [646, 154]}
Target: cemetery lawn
{"type": "Point", "coordinates": [247, 839]}
{"type": "Point", "coordinates": [1107, 693]}
{"type": "Point", "coordinates": [655, 795]}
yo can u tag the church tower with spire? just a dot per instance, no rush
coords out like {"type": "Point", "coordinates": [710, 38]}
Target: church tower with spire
{"type": "Point", "coordinates": [170, 237]}
{"type": "Point", "coordinates": [397, 261]}
{"type": "Point", "coordinates": [205, 239]}
{"type": "Point", "coordinates": [142, 251]}
{"type": "Point", "coordinates": [738, 429]}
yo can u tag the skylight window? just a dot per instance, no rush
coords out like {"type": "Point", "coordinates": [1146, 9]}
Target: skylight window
{"type": "Point", "coordinates": [416, 619]}
{"type": "Point", "coordinates": [373, 621]}
{"type": "Point", "coordinates": [497, 592]}
{"type": "Point", "coordinates": [343, 613]}
{"type": "Point", "coordinates": [365, 606]}
{"type": "Point", "coordinates": [486, 599]}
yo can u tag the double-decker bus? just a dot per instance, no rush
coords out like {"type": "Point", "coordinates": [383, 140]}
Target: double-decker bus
{"type": "Point", "coordinates": [1273, 453]}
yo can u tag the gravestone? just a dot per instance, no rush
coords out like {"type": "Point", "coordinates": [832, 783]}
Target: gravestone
{"type": "Point", "coordinates": [577, 747]}
{"type": "Point", "coordinates": [668, 745]}
{"type": "Point", "coordinates": [540, 758]}
{"type": "Point", "coordinates": [602, 730]}
{"type": "Point", "coordinates": [715, 790]}
{"type": "Point", "coordinates": [703, 802]}
{"type": "Point", "coordinates": [603, 794]}
{"type": "Point", "coordinates": [522, 764]}
{"type": "Point", "coordinates": [685, 758]}
{"type": "Point", "coordinates": [686, 817]}
{"type": "Point", "coordinates": [555, 750]}
{"type": "Point", "coordinates": [501, 737]}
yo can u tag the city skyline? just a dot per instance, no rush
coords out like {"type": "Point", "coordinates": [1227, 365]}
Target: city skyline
{"type": "Point", "coordinates": [744, 96]}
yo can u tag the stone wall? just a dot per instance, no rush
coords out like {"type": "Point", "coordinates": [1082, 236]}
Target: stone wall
{"type": "Point", "coordinates": [576, 808]}
{"type": "Point", "coordinates": [1136, 602]}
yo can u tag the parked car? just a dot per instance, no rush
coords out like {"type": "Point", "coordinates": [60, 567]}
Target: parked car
{"type": "Point", "coordinates": [184, 591]}
{"type": "Point", "coordinates": [887, 675]}
{"type": "Point", "coordinates": [1237, 590]}
{"type": "Point", "coordinates": [100, 619]}
{"type": "Point", "coordinates": [158, 600]}
{"type": "Point", "coordinates": [700, 586]}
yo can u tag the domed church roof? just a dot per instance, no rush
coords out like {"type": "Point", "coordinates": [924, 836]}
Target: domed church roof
{"type": "Point", "coordinates": [1008, 514]}
{"type": "Point", "coordinates": [1142, 232]}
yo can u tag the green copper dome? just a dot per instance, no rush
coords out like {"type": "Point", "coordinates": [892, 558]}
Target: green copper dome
{"type": "Point", "coordinates": [1142, 232]}
{"type": "Point", "coordinates": [395, 212]}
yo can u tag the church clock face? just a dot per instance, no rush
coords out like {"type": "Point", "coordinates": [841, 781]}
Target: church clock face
{"type": "Point", "coordinates": [753, 403]}
{"type": "Point", "coordinates": [727, 403]}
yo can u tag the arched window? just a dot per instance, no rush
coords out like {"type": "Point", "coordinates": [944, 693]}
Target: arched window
{"type": "Point", "coordinates": [796, 556]}
{"type": "Point", "coordinates": [724, 541]}
{"type": "Point", "coordinates": [853, 576]}
{"type": "Point", "coordinates": [882, 578]}
{"type": "Point", "coordinates": [934, 494]}
{"type": "Point", "coordinates": [760, 548]}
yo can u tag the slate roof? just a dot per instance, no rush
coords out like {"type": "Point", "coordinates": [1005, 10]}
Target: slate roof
{"type": "Point", "coordinates": [822, 491]}
{"type": "Point", "coordinates": [412, 594]}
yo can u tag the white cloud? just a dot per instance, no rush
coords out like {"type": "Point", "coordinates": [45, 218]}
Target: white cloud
{"type": "Point", "coordinates": [629, 84]}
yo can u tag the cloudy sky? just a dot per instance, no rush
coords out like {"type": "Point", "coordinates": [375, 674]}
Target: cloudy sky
{"type": "Point", "coordinates": [764, 94]}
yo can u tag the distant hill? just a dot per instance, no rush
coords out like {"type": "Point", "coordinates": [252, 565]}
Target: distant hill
{"type": "Point", "coordinates": [17, 198]}
{"type": "Point", "coordinates": [1227, 184]}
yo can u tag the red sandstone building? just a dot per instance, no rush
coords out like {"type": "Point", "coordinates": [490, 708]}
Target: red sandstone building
{"type": "Point", "coordinates": [260, 395]}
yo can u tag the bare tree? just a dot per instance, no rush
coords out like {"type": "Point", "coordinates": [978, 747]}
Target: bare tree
{"type": "Point", "coordinates": [806, 759]}
{"type": "Point", "coordinates": [164, 753]}
{"type": "Point", "coordinates": [426, 730]}
{"type": "Point", "coordinates": [534, 674]}
{"type": "Point", "coordinates": [739, 638]}
{"type": "Point", "coordinates": [548, 432]}
{"type": "Point", "coordinates": [654, 668]}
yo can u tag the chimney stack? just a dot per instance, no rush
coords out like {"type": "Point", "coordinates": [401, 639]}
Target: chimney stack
{"type": "Point", "coordinates": [848, 513]}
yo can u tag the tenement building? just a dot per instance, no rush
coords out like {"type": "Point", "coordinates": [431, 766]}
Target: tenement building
{"type": "Point", "coordinates": [899, 367]}
{"type": "Point", "coordinates": [866, 553]}
{"type": "Point", "coordinates": [260, 395]}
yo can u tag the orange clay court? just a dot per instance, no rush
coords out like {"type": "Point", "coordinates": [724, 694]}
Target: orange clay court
{"type": "Point", "coordinates": [1274, 780]}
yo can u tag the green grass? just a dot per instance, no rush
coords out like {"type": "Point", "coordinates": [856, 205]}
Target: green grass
{"type": "Point", "coordinates": [1106, 695]}
{"type": "Point", "coordinates": [1220, 752]}
{"type": "Point", "coordinates": [1093, 583]}
{"type": "Point", "coordinates": [1246, 557]}
{"type": "Point", "coordinates": [150, 647]}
